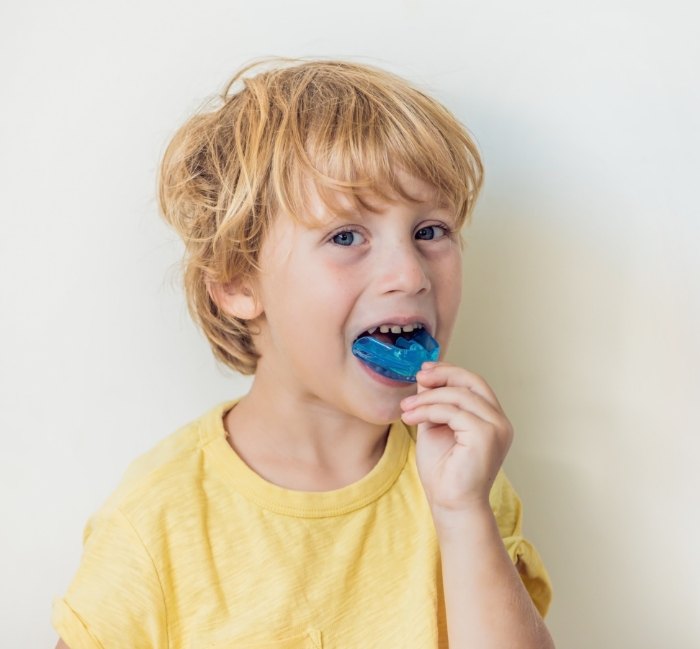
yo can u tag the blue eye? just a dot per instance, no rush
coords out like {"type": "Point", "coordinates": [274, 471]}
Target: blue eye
{"type": "Point", "coordinates": [346, 238]}
{"type": "Point", "coordinates": [428, 232]}
{"type": "Point", "coordinates": [352, 238]}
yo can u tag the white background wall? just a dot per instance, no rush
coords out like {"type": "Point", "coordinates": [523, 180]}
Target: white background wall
{"type": "Point", "coordinates": [581, 308]}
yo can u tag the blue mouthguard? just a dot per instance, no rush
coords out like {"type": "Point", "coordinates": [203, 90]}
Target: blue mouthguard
{"type": "Point", "coordinates": [400, 361]}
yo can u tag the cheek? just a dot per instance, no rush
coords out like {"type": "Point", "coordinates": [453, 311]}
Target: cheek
{"type": "Point", "coordinates": [456, 287]}
{"type": "Point", "coordinates": [450, 277]}
{"type": "Point", "coordinates": [450, 293]}
{"type": "Point", "coordinates": [328, 286]}
{"type": "Point", "coordinates": [320, 296]}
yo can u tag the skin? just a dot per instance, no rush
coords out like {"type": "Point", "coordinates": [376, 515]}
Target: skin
{"type": "Point", "coordinates": [463, 436]}
{"type": "Point", "coordinates": [314, 419]}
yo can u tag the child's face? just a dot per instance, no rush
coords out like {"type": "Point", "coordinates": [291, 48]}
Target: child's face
{"type": "Point", "coordinates": [321, 288]}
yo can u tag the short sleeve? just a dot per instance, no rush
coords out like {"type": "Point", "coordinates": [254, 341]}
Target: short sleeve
{"type": "Point", "coordinates": [507, 508]}
{"type": "Point", "coordinates": [115, 599]}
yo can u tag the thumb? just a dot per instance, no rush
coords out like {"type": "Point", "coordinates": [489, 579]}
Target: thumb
{"type": "Point", "coordinates": [426, 366]}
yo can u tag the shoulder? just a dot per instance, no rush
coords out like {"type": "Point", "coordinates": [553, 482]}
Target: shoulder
{"type": "Point", "coordinates": [506, 505]}
{"type": "Point", "coordinates": [508, 510]}
{"type": "Point", "coordinates": [172, 464]}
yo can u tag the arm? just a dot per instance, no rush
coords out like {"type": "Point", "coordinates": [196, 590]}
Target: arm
{"type": "Point", "coordinates": [463, 437]}
{"type": "Point", "coordinates": [61, 645]}
{"type": "Point", "coordinates": [486, 602]}
{"type": "Point", "coordinates": [115, 598]}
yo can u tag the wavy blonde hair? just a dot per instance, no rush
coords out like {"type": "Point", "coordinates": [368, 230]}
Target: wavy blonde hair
{"type": "Point", "coordinates": [346, 127]}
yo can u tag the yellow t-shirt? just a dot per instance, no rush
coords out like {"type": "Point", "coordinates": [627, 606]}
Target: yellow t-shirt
{"type": "Point", "coordinates": [195, 550]}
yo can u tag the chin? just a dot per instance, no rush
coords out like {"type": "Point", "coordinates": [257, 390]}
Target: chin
{"type": "Point", "coordinates": [382, 416]}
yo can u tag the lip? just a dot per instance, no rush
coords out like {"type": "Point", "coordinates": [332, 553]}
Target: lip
{"type": "Point", "coordinates": [384, 380]}
{"type": "Point", "coordinates": [397, 320]}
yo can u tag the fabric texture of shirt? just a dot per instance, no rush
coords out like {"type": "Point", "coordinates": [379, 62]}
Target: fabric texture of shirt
{"type": "Point", "coordinates": [195, 550]}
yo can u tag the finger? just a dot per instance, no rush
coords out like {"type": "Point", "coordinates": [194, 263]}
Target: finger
{"type": "Point", "coordinates": [461, 397]}
{"type": "Point", "coordinates": [445, 374]}
{"type": "Point", "coordinates": [467, 427]}
{"type": "Point", "coordinates": [444, 413]}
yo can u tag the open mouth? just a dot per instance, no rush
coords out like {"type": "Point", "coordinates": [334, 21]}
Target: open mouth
{"type": "Point", "coordinates": [395, 352]}
{"type": "Point", "coordinates": [389, 334]}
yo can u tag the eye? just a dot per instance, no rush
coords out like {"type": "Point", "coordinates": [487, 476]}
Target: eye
{"type": "Point", "coordinates": [431, 232]}
{"type": "Point", "coordinates": [347, 238]}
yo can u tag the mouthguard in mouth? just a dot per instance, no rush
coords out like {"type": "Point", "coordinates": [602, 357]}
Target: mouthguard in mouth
{"type": "Point", "coordinates": [400, 361]}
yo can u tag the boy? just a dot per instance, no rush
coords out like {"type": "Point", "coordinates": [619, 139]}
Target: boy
{"type": "Point", "coordinates": [331, 506]}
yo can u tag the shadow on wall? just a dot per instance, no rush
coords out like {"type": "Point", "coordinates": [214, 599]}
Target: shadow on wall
{"type": "Point", "coordinates": [520, 329]}
{"type": "Point", "coordinates": [548, 306]}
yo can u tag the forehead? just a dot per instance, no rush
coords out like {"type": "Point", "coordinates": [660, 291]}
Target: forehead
{"type": "Point", "coordinates": [323, 205]}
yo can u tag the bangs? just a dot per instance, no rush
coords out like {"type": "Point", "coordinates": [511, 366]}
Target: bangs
{"type": "Point", "coordinates": [347, 133]}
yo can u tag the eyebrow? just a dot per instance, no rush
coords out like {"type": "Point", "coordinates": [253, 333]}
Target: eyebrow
{"type": "Point", "coordinates": [335, 219]}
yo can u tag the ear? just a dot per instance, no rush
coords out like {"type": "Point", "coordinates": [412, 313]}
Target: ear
{"type": "Point", "coordinates": [236, 298]}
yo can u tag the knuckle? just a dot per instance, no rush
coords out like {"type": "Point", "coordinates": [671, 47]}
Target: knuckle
{"type": "Point", "coordinates": [492, 430]}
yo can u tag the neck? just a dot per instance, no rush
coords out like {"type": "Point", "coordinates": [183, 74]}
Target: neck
{"type": "Point", "coordinates": [297, 441]}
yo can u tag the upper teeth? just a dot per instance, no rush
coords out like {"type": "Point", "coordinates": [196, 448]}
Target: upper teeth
{"type": "Point", "coordinates": [396, 329]}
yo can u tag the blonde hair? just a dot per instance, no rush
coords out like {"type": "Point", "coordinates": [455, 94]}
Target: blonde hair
{"type": "Point", "coordinates": [345, 127]}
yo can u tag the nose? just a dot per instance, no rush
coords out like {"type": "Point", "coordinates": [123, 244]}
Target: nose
{"type": "Point", "coordinates": [403, 269]}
